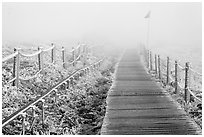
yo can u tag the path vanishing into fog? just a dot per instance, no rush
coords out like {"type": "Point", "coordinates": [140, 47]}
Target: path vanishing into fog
{"type": "Point", "coordinates": [137, 105]}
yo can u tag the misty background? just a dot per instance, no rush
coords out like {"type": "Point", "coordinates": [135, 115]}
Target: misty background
{"type": "Point", "coordinates": [175, 28]}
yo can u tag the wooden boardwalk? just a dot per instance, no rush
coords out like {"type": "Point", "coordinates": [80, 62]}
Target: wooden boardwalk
{"type": "Point", "coordinates": [136, 105]}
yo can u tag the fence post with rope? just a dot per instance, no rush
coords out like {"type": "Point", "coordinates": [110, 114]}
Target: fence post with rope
{"type": "Point", "coordinates": [73, 55]}
{"type": "Point", "coordinates": [150, 60]}
{"type": "Point", "coordinates": [84, 55]}
{"type": "Point", "coordinates": [186, 93]}
{"type": "Point", "coordinates": [183, 78]}
{"type": "Point", "coordinates": [23, 123]}
{"type": "Point", "coordinates": [159, 66]}
{"type": "Point", "coordinates": [167, 71]}
{"type": "Point", "coordinates": [155, 64]}
{"type": "Point", "coordinates": [52, 53]}
{"type": "Point", "coordinates": [17, 67]}
{"type": "Point", "coordinates": [40, 59]}
{"type": "Point", "coordinates": [63, 57]}
{"type": "Point", "coordinates": [43, 113]}
{"type": "Point", "coordinates": [14, 68]}
{"type": "Point", "coordinates": [176, 77]}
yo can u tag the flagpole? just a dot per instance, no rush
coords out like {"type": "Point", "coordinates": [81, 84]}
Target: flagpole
{"type": "Point", "coordinates": [148, 26]}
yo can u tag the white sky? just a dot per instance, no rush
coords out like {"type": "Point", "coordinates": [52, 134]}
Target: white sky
{"type": "Point", "coordinates": [122, 24]}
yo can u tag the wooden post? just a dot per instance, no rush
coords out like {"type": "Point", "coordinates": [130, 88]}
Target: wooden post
{"type": "Point", "coordinates": [65, 86]}
{"type": "Point", "coordinates": [159, 67]}
{"type": "Point", "coordinates": [187, 94]}
{"type": "Point", "coordinates": [14, 68]}
{"type": "Point", "coordinates": [17, 62]}
{"type": "Point", "coordinates": [52, 53]}
{"type": "Point", "coordinates": [33, 121]}
{"type": "Point", "coordinates": [176, 77]}
{"type": "Point", "coordinates": [84, 55]}
{"type": "Point", "coordinates": [73, 56]}
{"type": "Point", "coordinates": [23, 123]}
{"type": "Point", "coordinates": [63, 57]}
{"type": "Point", "coordinates": [40, 59]}
{"type": "Point", "coordinates": [155, 63]}
{"type": "Point", "coordinates": [71, 82]}
{"type": "Point", "coordinates": [43, 113]}
{"type": "Point", "coordinates": [167, 71]}
{"type": "Point", "coordinates": [33, 114]}
{"type": "Point", "coordinates": [55, 96]}
{"type": "Point", "coordinates": [68, 84]}
{"type": "Point", "coordinates": [150, 60]}
{"type": "Point", "coordinates": [33, 111]}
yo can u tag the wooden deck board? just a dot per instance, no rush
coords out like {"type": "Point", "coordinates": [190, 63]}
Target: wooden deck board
{"type": "Point", "coordinates": [136, 105]}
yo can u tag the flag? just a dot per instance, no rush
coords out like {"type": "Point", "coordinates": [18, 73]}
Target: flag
{"type": "Point", "coordinates": [148, 15]}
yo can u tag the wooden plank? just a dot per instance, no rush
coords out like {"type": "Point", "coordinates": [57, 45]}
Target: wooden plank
{"type": "Point", "coordinates": [136, 105]}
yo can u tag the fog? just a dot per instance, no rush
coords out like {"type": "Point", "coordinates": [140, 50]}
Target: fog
{"type": "Point", "coordinates": [172, 25]}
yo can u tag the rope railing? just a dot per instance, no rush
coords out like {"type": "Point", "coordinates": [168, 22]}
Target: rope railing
{"type": "Point", "coordinates": [181, 67]}
{"type": "Point", "coordinates": [71, 50]}
{"type": "Point", "coordinates": [195, 72]}
{"type": "Point", "coordinates": [54, 88]}
{"type": "Point", "coordinates": [195, 79]}
{"type": "Point", "coordinates": [31, 55]}
{"type": "Point", "coordinates": [45, 50]}
{"type": "Point", "coordinates": [194, 95]}
{"type": "Point", "coordinates": [13, 79]}
{"type": "Point", "coordinates": [183, 78]}
{"type": "Point", "coordinates": [9, 57]}
{"type": "Point", "coordinates": [17, 54]}
{"type": "Point", "coordinates": [67, 82]}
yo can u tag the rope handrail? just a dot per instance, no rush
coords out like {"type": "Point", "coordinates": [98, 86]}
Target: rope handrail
{"type": "Point", "coordinates": [194, 95]}
{"type": "Point", "coordinates": [11, 80]}
{"type": "Point", "coordinates": [9, 56]}
{"type": "Point", "coordinates": [45, 50]}
{"type": "Point", "coordinates": [195, 71]}
{"type": "Point", "coordinates": [72, 62]}
{"type": "Point", "coordinates": [30, 55]}
{"type": "Point", "coordinates": [182, 68]}
{"type": "Point", "coordinates": [75, 59]}
{"type": "Point", "coordinates": [25, 55]}
{"type": "Point", "coordinates": [71, 50]}
{"type": "Point", "coordinates": [34, 76]}
{"type": "Point", "coordinates": [39, 98]}
{"type": "Point", "coordinates": [78, 46]}
{"type": "Point", "coordinates": [78, 57]}
{"type": "Point", "coordinates": [173, 70]}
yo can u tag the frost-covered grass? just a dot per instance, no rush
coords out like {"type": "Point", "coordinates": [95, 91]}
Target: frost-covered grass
{"type": "Point", "coordinates": [78, 110]}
